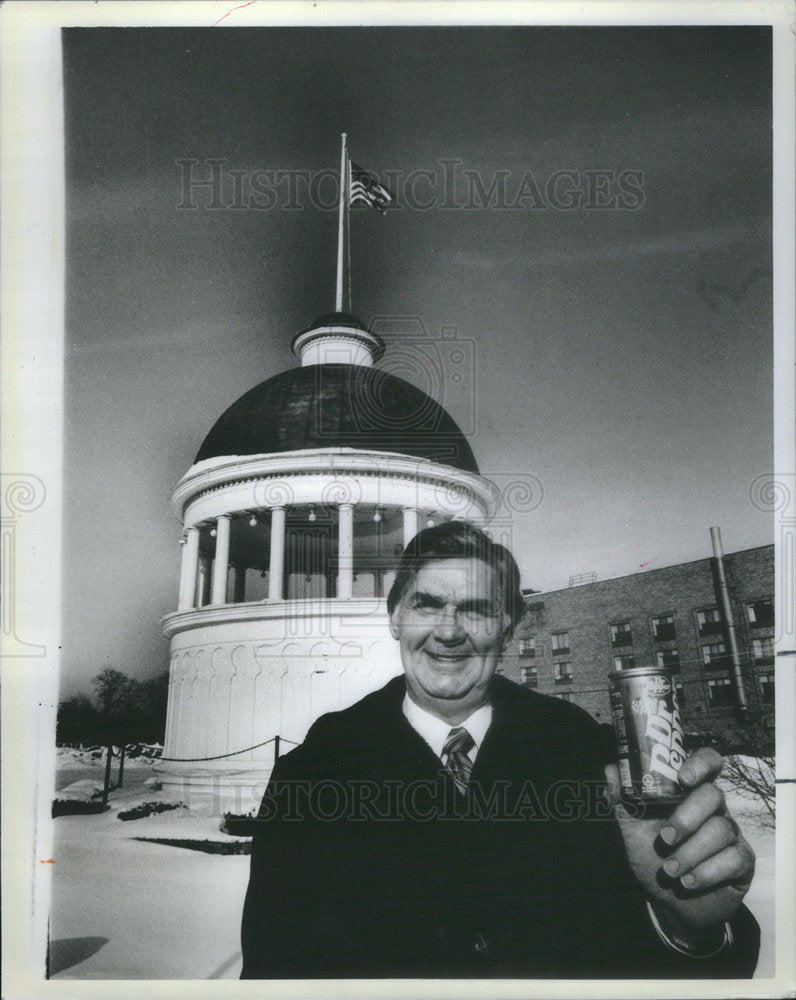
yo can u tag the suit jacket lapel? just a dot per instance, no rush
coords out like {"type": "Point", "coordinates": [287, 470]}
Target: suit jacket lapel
{"type": "Point", "coordinates": [508, 749]}
{"type": "Point", "coordinates": [401, 748]}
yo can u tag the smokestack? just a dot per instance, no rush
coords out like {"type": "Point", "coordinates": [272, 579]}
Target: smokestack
{"type": "Point", "coordinates": [737, 676]}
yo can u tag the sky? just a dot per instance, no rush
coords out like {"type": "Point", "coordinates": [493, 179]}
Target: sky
{"type": "Point", "coordinates": [610, 300]}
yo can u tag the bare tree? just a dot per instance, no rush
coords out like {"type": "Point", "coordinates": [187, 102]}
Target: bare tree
{"type": "Point", "coordinates": [755, 776]}
{"type": "Point", "coordinates": [749, 765]}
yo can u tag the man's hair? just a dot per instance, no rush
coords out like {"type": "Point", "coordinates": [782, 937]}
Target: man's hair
{"type": "Point", "coordinates": [459, 540]}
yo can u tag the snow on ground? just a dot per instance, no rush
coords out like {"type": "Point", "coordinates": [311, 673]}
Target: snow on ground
{"type": "Point", "coordinates": [756, 827]}
{"type": "Point", "coordinates": [153, 911]}
{"type": "Point", "coordinates": [124, 909]}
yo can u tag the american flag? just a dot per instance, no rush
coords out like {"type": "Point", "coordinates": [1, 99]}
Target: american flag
{"type": "Point", "coordinates": [365, 187]}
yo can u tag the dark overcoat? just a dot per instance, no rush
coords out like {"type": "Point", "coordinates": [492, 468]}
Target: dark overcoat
{"type": "Point", "coordinates": [367, 863]}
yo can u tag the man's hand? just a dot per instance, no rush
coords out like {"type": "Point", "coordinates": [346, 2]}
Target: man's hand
{"type": "Point", "coordinates": [695, 863]}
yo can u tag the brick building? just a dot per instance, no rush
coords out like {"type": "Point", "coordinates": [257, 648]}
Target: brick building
{"type": "Point", "coordinates": [571, 639]}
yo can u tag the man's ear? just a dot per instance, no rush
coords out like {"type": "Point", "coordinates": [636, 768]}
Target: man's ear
{"type": "Point", "coordinates": [394, 630]}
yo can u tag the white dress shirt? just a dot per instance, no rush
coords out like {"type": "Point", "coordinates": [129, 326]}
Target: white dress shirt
{"type": "Point", "coordinates": [435, 731]}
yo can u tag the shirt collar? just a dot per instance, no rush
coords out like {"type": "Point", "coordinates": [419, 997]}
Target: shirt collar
{"type": "Point", "coordinates": [435, 731]}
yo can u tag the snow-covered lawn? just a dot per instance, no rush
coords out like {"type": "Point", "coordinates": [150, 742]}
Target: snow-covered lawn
{"type": "Point", "coordinates": [756, 827]}
{"type": "Point", "coordinates": [125, 909]}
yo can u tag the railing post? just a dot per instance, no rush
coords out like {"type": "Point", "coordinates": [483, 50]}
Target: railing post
{"type": "Point", "coordinates": [107, 784]}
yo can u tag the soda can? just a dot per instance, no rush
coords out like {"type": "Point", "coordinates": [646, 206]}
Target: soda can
{"type": "Point", "coordinates": [649, 734]}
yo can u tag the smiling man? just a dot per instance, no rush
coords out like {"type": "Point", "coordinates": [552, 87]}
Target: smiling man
{"type": "Point", "coordinates": [454, 824]}
{"type": "Point", "coordinates": [451, 625]}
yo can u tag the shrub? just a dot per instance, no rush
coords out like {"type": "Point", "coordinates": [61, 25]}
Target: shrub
{"type": "Point", "coordinates": [148, 809]}
{"type": "Point", "coordinates": [76, 807]}
{"type": "Point", "coordinates": [237, 825]}
{"type": "Point", "coordinates": [205, 846]}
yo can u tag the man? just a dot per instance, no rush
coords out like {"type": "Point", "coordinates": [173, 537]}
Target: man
{"type": "Point", "coordinates": [454, 824]}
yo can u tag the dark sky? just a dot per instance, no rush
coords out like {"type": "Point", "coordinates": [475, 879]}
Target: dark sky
{"type": "Point", "coordinates": [615, 355]}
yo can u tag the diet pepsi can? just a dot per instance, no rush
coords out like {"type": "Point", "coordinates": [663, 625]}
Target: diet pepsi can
{"type": "Point", "coordinates": [649, 734]}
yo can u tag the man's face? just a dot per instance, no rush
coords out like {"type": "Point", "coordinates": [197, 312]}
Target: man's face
{"type": "Point", "coordinates": [451, 626]}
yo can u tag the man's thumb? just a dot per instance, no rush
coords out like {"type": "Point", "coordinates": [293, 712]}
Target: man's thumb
{"type": "Point", "coordinates": [612, 786]}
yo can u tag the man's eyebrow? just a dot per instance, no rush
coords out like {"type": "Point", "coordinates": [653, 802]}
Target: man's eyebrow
{"type": "Point", "coordinates": [481, 605]}
{"type": "Point", "coordinates": [423, 597]}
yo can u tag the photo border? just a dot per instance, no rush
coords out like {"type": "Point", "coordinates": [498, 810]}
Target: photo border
{"type": "Point", "coordinates": [33, 273]}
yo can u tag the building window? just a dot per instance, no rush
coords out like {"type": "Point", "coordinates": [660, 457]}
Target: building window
{"type": "Point", "coordinates": [560, 642]}
{"type": "Point", "coordinates": [721, 692]}
{"type": "Point", "coordinates": [621, 634]}
{"type": "Point", "coordinates": [624, 662]}
{"type": "Point", "coordinates": [562, 672]}
{"type": "Point", "coordinates": [710, 621]}
{"type": "Point", "coordinates": [528, 647]}
{"type": "Point", "coordinates": [714, 654]}
{"type": "Point", "coordinates": [534, 614]}
{"type": "Point", "coordinates": [564, 695]}
{"type": "Point", "coordinates": [767, 687]}
{"type": "Point", "coordinates": [678, 687]}
{"type": "Point", "coordinates": [663, 628]}
{"type": "Point", "coordinates": [761, 613]}
{"type": "Point", "coordinates": [763, 650]}
{"type": "Point", "coordinates": [529, 677]}
{"type": "Point", "coordinates": [668, 658]}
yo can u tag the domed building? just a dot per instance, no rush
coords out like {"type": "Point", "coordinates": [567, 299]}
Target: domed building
{"type": "Point", "coordinates": [295, 512]}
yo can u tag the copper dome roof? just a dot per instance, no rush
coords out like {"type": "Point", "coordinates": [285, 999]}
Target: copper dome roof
{"type": "Point", "coordinates": [338, 406]}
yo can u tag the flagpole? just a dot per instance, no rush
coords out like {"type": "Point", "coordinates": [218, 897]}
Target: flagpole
{"type": "Point", "coordinates": [338, 302]}
{"type": "Point", "coordinates": [348, 229]}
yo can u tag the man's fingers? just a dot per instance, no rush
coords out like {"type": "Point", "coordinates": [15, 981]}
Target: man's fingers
{"type": "Point", "coordinates": [734, 865]}
{"type": "Point", "coordinates": [703, 765]}
{"type": "Point", "coordinates": [695, 809]}
{"type": "Point", "coordinates": [713, 836]}
{"type": "Point", "coordinates": [700, 768]}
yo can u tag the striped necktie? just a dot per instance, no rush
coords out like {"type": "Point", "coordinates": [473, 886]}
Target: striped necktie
{"type": "Point", "coordinates": [458, 764]}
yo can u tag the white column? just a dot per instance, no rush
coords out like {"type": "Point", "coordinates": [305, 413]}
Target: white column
{"type": "Point", "coordinates": [410, 524]}
{"type": "Point", "coordinates": [277, 564]}
{"type": "Point", "coordinates": [345, 551]}
{"type": "Point", "coordinates": [190, 563]}
{"type": "Point", "coordinates": [221, 562]}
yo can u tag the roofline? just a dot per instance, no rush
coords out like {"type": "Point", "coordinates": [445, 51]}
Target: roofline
{"type": "Point", "coordinates": [597, 583]}
{"type": "Point", "coordinates": [214, 473]}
